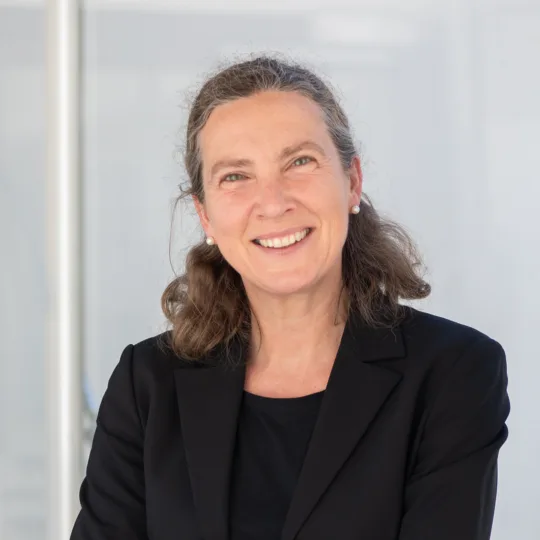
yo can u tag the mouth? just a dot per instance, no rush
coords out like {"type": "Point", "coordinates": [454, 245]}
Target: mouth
{"type": "Point", "coordinates": [285, 241]}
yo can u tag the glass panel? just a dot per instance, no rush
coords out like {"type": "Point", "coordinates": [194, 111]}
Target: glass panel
{"type": "Point", "coordinates": [23, 285]}
{"type": "Point", "coordinates": [443, 97]}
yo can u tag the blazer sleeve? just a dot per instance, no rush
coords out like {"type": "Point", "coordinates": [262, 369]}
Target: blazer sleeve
{"type": "Point", "coordinates": [112, 494]}
{"type": "Point", "coordinates": [451, 491]}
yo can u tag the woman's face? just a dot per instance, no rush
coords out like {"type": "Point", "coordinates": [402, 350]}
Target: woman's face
{"type": "Point", "coordinates": [277, 200]}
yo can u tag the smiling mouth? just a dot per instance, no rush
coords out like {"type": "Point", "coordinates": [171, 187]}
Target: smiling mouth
{"type": "Point", "coordinates": [283, 241]}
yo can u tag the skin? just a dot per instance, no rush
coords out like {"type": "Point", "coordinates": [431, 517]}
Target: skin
{"type": "Point", "coordinates": [293, 294]}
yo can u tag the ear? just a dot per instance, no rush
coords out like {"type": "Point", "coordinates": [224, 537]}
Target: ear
{"type": "Point", "coordinates": [203, 216]}
{"type": "Point", "coordinates": [356, 179]}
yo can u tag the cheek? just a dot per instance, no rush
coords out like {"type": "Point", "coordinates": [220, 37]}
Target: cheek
{"type": "Point", "coordinates": [227, 216]}
{"type": "Point", "coordinates": [330, 201]}
{"type": "Point", "coordinates": [332, 208]}
{"type": "Point", "coordinates": [328, 190]}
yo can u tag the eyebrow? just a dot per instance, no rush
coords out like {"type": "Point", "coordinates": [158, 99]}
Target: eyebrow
{"type": "Point", "coordinates": [285, 153]}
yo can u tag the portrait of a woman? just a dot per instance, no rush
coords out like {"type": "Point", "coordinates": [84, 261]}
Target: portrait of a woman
{"type": "Point", "coordinates": [295, 396]}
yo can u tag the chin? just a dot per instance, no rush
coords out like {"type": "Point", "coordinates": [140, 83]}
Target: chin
{"type": "Point", "coordinates": [283, 285]}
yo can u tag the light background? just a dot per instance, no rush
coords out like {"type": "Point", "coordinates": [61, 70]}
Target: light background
{"type": "Point", "coordinates": [445, 99]}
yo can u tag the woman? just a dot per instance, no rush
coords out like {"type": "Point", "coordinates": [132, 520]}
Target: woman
{"type": "Point", "coordinates": [294, 397]}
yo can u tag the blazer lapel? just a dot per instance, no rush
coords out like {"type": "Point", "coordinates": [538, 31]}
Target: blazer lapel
{"type": "Point", "coordinates": [355, 392]}
{"type": "Point", "coordinates": [209, 400]}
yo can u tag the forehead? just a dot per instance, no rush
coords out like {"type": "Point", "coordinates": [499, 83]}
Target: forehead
{"type": "Point", "coordinates": [266, 119]}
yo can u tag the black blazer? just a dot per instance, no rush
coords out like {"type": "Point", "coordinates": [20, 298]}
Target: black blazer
{"type": "Point", "coordinates": [405, 446]}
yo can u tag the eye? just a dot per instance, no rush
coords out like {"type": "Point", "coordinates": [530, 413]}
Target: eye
{"type": "Point", "coordinates": [298, 162]}
{"type": "Point", "coordinates": [233, 177]}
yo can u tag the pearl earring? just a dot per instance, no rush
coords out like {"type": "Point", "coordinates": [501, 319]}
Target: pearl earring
{"type": "Point", "coordinates": [210, 240]}
{"type": "Point", "coordinates": [355, 209]}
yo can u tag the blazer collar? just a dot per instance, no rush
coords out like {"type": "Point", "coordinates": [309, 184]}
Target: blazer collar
{"type": "Point", "coordinates": [209, 400]}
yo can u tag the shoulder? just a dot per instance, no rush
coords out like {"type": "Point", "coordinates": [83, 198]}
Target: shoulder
{"type": "Point", "coordinates": [146, 370]}
{"type": "Point", "coordinates": [154, 356]}
{"type": "Point", "coordinates": [444, 353]}
{"type": "Point", "coordinates": [434, 332]}
{"type": "Point", "coordinates": [153, 362]}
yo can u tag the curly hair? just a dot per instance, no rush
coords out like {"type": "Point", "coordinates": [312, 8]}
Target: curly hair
{"type": "Point", "coordinates": [207, 305]}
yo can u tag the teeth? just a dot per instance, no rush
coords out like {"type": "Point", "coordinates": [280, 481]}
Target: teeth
{"type": "Point", "coordinates": [284, 241]}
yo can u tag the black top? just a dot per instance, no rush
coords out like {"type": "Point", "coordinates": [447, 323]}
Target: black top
{"type": "Point", "coordinates": [272, 438]}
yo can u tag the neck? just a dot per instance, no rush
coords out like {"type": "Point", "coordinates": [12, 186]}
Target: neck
{"type": "Point", "coordinates": [299, 333]}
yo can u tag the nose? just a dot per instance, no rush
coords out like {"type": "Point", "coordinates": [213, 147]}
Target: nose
{"type": "Point", "coordinates": [273, 199]}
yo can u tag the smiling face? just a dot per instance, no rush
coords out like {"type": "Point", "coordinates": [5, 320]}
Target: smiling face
{"type": "Point", "coordinates": [276, 198]}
